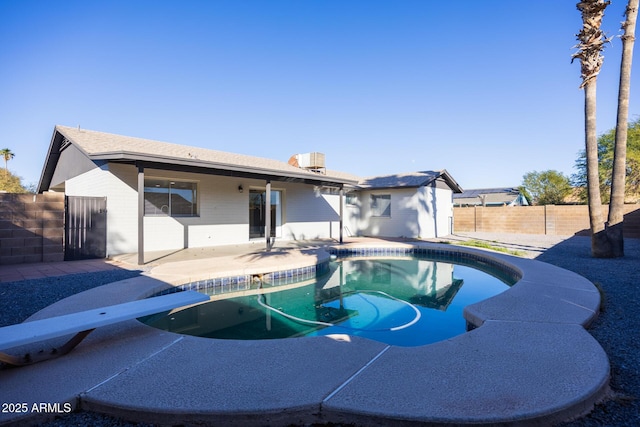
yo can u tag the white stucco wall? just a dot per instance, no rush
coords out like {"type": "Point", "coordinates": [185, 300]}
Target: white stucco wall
{"type": "Point", "coordinates": [310, 214]}
{"type": "Point", "coordinates": [122, 226]}
{"type": "Point", "coordinates": [307, 212]}
{"type": "Point", "coordinates": [223, 211]}
{"type": "Point", "coordinates": [444, 210]}
{"type": "Point", "coordinates": [423, 212]}
{"type": "Point", "coordinates": [435, 207]}
{"type": "Point", "coordinates": [223, 215]}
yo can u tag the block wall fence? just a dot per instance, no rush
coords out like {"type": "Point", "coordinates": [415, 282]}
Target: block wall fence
{"type": "Point", "coordinates": [565, 220]}
{"type": "Point", "coordinates": [31, 228]}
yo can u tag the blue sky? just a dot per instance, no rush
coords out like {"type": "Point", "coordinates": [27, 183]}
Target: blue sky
{"type": "Point", "coordinates": [484, 89]}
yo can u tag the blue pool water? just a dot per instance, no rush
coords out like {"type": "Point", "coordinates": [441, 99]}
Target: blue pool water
{"type": "Point", "coordinates": [398, 301]}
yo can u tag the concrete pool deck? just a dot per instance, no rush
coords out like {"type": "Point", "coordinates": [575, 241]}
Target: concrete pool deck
{"type": "Point", "coordinates": [529, 361]}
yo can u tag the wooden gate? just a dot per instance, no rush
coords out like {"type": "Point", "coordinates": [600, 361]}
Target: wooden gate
{"type": "Point", "coordinates": [85, 228]}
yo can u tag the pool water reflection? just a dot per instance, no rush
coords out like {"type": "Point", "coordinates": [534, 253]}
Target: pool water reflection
{"type": "Point", "coordinates": [398, 301]}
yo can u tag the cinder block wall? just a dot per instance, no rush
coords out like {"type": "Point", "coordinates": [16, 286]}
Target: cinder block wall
{"type": "Point", "coordinates": [563, 220]}
{"type": "Point", "coordinates": [31, 228]}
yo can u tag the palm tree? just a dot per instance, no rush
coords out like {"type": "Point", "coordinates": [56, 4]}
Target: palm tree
{"type": "Point", "coordinates": [616, 206]}
{"type": "Point", "coordinates": [591, 42]}
{"type": "Point", "coordinates": [8, 155]}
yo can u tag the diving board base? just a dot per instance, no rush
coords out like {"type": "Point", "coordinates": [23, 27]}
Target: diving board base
{"type": "Point", "coordinates": [43, 355]}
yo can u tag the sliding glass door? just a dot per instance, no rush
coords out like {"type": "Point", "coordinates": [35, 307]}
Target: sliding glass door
{"type": "Point", "coordinates": [257, 213]}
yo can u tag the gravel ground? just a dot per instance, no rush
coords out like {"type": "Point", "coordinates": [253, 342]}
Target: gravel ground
{"type": "Point", "coordinates": [19, 300]}
{"type": "Point", "coordinates": [615, 328]}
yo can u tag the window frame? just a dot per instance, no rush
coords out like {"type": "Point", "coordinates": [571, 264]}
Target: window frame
{"type": "Point", "coordinates": [179, 185]}
{"type": "Point", "coordinates": [375, 209]}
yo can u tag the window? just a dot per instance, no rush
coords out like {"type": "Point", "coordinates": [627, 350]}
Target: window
{"type": "Point", "coordinates": [169, 197]}
{"type": "Point", "coordinates": [351, 199]}
{"type": "Point", "coordinates": [381, 205]}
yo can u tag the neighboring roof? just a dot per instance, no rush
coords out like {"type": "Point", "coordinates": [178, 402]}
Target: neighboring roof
{"type": "Point", "coordinates": [155, 154]}
{"type": "Point", "coordinates": [482, 191]}
{"type": "Point", "coordinates": [408, 180]}
{"type": "Point", "coordinates": [491, 196]}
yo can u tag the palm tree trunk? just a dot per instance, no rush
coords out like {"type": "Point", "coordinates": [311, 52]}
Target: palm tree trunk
{"type": "Point", "coordinates": [600, 247]}
{"type": "Point", "coordinates": [616, 206]}
{"type": "Point", "coordinates": [592, 40]}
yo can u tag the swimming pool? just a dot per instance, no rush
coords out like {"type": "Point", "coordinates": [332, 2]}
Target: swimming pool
{"type": "Point", "coordinates": [531, 334]}
{"type": "Point", "coordinates": [395, 300]}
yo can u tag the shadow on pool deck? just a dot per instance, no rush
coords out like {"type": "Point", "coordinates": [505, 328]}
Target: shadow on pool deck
{"type": "Point", "coordinates": [254, 249]}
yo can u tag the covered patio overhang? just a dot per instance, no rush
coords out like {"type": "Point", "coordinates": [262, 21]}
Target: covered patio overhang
{"type": "Point", "coordinates": [268, 176]}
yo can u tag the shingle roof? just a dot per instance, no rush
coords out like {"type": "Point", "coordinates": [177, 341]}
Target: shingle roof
{"type": "Point", "coordinates": [475, 192]}
{"type": "Point", "coordinates": [119, 148]}
{"type": "Point", "coordinates": [408, 180]}
{"type": "Point", "coordinates": [107, 146]}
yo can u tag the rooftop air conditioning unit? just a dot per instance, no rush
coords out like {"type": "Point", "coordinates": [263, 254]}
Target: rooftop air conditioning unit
{"type": "Point", "coordinates": [310, 161]}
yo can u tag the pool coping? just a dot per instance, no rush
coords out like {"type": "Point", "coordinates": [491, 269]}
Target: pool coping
{"type": "Point", "coordinates": [529, 361]}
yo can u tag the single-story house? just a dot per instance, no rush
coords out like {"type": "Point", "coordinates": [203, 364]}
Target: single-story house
{"type": "Point", "coordinates": [509, 196]}
{"type": "Point", "coordinates": [159, 196]}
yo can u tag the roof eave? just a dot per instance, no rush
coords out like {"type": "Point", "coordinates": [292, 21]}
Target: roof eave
{"type": "Point", "coordinates": [455, 187]}
{"type": "Point", "coordinates": [388, 187]}
{"type": "Point", "coordinates": [50, 162]}
{"type": "Point", "coordinates": [124, 156]}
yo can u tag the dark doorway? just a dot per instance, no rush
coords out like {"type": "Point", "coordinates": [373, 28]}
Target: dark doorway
{"type": "Point", "coordinates": [85, 228]}
{"type": "Point", "coordinates": [257, 214]}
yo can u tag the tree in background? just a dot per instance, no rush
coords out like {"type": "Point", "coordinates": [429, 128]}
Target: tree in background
{"type": "Point", "coordinates": [522, 189]}
{"type": "Point", "coordinates": [7, 155]}
{"type": "Point", "coordinates": [606, 143]}
{"type": "Point", "coordinates": [591, 42]}
{"type": "Point", "coordinates": [11, 184]}
{"type": "Point", "coordinates": [547, 188]}
{"type": "Point", "coordinates": [616, 206]}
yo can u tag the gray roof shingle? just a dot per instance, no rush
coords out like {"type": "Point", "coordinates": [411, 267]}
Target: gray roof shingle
{"type": "Point", "coordinates": [107, 146]}
{"type": "Point", "coordinates": [408, 180]}
{"type": "Point", "coordinates": [111, 147]}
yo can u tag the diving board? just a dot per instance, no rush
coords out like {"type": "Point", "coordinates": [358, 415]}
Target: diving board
{"type": "Point", "coordinates": [83, 322]}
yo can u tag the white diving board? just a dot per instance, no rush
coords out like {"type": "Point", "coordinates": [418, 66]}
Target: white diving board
{"type": "Point", "coordinates": [83, 322]}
